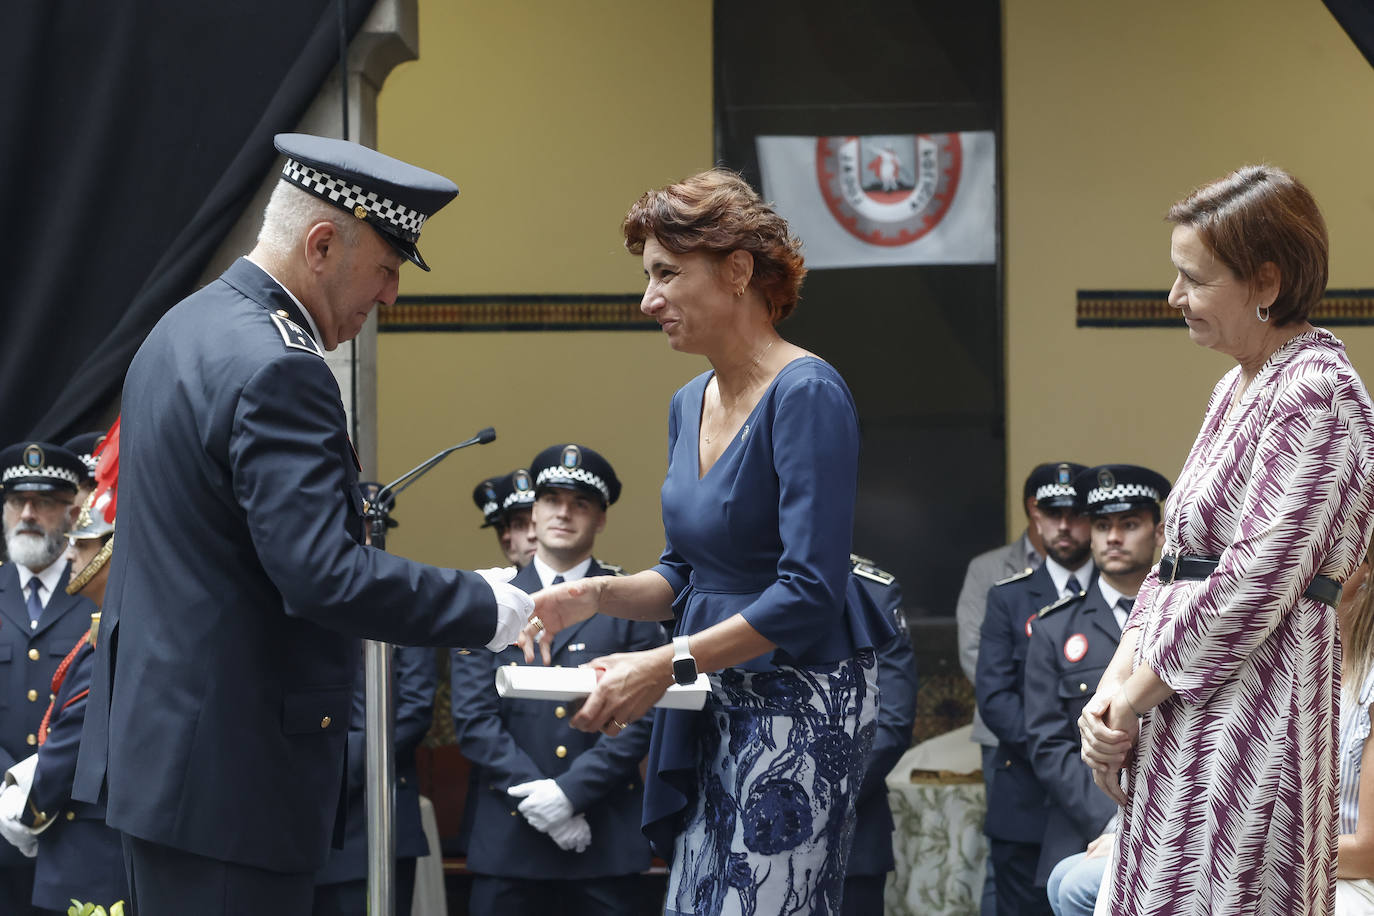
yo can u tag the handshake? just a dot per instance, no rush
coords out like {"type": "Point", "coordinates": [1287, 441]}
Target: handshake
{"type": "Point", "coordinates": [548, 810]}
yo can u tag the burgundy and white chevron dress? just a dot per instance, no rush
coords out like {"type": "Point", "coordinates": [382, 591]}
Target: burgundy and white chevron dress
{"type": "Point", "coordinates": [1232, 792]}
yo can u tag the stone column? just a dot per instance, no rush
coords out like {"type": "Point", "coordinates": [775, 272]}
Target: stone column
{"type": "Point", "coordinates": [389, 36]}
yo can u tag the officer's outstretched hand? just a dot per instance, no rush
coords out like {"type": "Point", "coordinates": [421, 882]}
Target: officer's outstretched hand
{"type": "Point", "coordinates": [513, 606]}
{"type": "Point", "coordinates": [557, 608]}
{"type": "Point", "coordinates": [572, 835]}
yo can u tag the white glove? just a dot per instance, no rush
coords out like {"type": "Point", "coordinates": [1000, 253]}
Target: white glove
{"type": "Point", "coordinates": [513, 606]}
{"type": "Point", "coordinates": [544, 804]}
{"type": "Point", "coordinates": [573, 834]}
{"type": "Point", "coordinates": [12, 801]}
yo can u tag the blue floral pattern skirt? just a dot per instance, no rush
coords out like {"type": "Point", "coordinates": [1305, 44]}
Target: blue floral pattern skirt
{"type": "Point", "coordinates": [781, 759]}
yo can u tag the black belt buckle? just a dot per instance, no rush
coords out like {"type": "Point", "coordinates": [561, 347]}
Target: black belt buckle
{"type": "Point", "coordinates": [1171, 564]}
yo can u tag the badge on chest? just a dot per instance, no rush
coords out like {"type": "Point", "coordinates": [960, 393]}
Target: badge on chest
{"type": "Point", "coordinates": [1075, 647]}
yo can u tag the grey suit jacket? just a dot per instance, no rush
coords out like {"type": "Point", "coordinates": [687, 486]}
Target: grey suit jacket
{"type": "Point", "coordinates": [983, 571]}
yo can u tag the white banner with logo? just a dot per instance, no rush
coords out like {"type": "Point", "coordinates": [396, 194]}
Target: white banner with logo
{"type": "Point", "coordinates": [883, 200]}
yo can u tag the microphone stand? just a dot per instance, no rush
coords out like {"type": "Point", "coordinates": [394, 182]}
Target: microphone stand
{"type": "Point", "coordinates": [379, 719]}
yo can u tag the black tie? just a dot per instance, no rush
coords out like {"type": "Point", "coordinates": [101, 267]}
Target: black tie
{"type": "Point", "coordinates": [35, 603]}
{"type": "Point", "coordinates": [1072, 587]}
{"type": "Point", "coordinates": [557, 580]}
{"type": "Point", "coordinates": [1126, 604]}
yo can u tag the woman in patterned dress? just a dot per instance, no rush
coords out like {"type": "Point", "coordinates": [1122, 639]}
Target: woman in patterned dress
{"type": "Point", "coordinates": [753, 797]}
{"type": "Point", "coordinates": [1221, 702]}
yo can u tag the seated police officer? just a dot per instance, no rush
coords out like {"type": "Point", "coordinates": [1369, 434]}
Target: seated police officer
{"type": "Point", "coordinates": [39, 621]}
{"type": "Point", "coordinates": [870, 857]}
{"type": "Point", "coordinates": [341, 886]}
{"type": "Point", "coordinates": [1015, 823]}
{"type": "Point", "coordinates": [1072, 643]}
{"type": "Point", "coordinates": [506, 502]}
{"type": "Point", "coordinates": [79, 857]}
{"type": "Point", "coordinates": [553, 814]}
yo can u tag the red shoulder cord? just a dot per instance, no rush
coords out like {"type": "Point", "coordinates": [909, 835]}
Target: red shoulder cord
{"type": "Point", "coordinates": [57, 680]}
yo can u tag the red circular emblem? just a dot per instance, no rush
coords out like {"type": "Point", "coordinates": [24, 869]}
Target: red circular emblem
{"type": "Point", "coordinates": [1030, 620]}
{"type": "Point", "coordinates": [1075, 647]}
{"type": "Point", "coordinates": [889, 190]}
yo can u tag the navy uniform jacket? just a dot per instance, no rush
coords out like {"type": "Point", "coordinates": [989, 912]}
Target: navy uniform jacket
{"type": "Point", "coordinates": [1072, 643]}
{"type": "Point", "coordinates": [238, 587]}
{"type": "Point", "coordinates": [79, 857]}
{"type": "Point", "coordinates": [413, 674]}
{"type": "Point", "coordinates": [29, 658]}
{"type": "Point", "coordinates": [1016, 802]}
{"type": "Point", "coordinates": [515, 741]}
{"type": "Point", "coordinates": [871, 853]}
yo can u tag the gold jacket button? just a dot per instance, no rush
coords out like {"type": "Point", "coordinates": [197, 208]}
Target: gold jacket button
{"type": "Point", "coordinates": [283, 313]}
{"type": "Point", "coordinates": [33, 655]}
{"type": "Point", "coordinates": [71, 815]}
{"type": "Point", "coordinates": [515, 664]}
{"type": "Point", "coordinates": [631, 787]}
{"type": "Point", "coordinates": [324, 723]}
{"type": "Point", "coordinates": [1082, 688]}
{"type": "Point", "coordinates": [33, 695]}
{"type": "Point", "coordinates": [512, 814]}
{"type": "Point", "coordinates": [560, 711]}
{"type": "Point", "coordinates": [559, 751]}
{"type": "Point", "coordinates": [464, 651]}
{"type": "Point", "coordinates": [33, 740]}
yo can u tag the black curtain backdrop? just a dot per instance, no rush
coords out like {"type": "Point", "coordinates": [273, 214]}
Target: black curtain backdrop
{"type": "Point", "coordinates": [1357, 18]}
{"type": "Point", "coordinates": [134, 134]}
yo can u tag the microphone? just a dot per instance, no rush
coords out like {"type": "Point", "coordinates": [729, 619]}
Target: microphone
{"type": "Point", "coordinates": [386, 496]}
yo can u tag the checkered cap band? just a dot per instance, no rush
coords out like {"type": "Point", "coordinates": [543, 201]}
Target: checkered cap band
{"type": "Point", "coordinates": [578, 475]}
{"type": "Point", "coordinates": [403, 220]}
{"type": "Point", "coordinates": [489, 507]}
{"type": "Point", "coordinates": [1051, 490]}
{"type": "Point", "coordinates": [1120, 493]}
{"type": "Point", "coordinates": [23, 472]}
{"type": "Point", "coordinates": [519, 498]}
{"type": "Point", "coordinates": [89, 461]}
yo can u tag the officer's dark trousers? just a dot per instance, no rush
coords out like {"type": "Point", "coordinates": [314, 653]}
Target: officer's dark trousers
{"type": "Point", "coordinates": [171, 882]}
{"type": "Point", "coordinates": [349, 898]}
{"type": "Point", "coordinates": [575, 897]}
{"type": "Point", "coordinates": [1013, 867]}
{"type": "Point", "coordinates": [16, 889]}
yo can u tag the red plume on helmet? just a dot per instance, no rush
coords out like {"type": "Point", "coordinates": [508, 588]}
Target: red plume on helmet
{"type": "Point", "coordinates": [107, 470]}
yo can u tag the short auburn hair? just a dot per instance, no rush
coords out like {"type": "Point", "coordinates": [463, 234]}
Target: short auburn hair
{"type": "Point", "coordinates": [718, 211]}
{"type": "Point", "coordinates": [1260, 213]}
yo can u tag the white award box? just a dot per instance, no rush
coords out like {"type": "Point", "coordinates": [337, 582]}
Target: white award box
{"type": "Point", "coordinates": [534, 682]}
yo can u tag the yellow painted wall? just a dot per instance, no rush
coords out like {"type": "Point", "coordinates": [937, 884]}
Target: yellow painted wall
{"type": "Point", "coordinates": [552, 118]}
{"type": "Point", "coordinates": [1113, 112]}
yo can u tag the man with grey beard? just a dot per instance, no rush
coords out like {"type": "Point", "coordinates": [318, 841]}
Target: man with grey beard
{"type": "Point", "coordinates": [39, 621]}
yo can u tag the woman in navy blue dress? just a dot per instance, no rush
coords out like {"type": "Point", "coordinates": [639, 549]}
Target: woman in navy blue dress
{"type": "Point", "coordinates": [753, 797]}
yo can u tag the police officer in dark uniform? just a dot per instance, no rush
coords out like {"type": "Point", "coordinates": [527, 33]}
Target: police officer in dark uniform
{"type": "Point", "coordinates": [1015, 823]}
{"type": "Point", "coordinates": [553, 814]}
{"type": "Point", "coordinates": [240, 583]}
{"type": "Point", "coordinates": [505, 503]}
{"type": "Point", "coordinates": [39, 621]}
{"type": "Point", "coordinates": [870, 858]}
{"type": "Point", "coordinates": [341, 886]}
{"type": "Point", "coordinates": [1072, 643]}
{"type": "Point", "coordinates": [79, 857]}
{"type": "Point", "coordinates": [84, 447]}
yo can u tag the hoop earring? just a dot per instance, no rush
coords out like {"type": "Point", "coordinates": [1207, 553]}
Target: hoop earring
{"type": "Point", "coordinates": [1262, 312]}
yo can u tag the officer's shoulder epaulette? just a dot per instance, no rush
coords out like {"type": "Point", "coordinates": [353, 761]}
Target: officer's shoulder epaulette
{"type": "Point", "coordinates": [1016, 577]}
{"type": "Point", "coordinates": [293, 335]}
{"type": "Point", "coordinates": [611, 568]}
{"type": "Point", "coordinates": [863, 566]}
{"type": "Point", "coordinates": [1062, 602]}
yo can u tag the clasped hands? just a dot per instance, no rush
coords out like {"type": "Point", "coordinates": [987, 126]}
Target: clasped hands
{"type": "Point", "coordinates": [549, 811]}
{"type": "Point", "coordinates": [1109, 730]}
{"type": "Point", "coordinates": [628, 683]}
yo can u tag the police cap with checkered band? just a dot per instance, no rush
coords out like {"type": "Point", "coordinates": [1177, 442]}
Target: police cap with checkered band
{"type": "Point", "coordinates": [1110, 488]}
{"type": "Point", "coordinates": [40, 466]}
{"type": "Point", "coordinates": [518, 492]}
{"type": "Point", "coordinates": [576, 467]}
{"type": "Point", "coordinates": [488, 495]}
{"type": "Point", "coordinates": [1052, 484]}
{"type": "Point", "coordinates": [393, 197]}
{"type": "Point", "coordinates": [83, 447]}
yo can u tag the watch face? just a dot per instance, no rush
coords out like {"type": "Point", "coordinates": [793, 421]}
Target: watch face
{"type": "Point", "coordinates": [685, 670]}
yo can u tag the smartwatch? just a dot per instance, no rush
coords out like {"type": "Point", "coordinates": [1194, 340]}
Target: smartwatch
{"type": "Point", "coordinates": [684, 666]}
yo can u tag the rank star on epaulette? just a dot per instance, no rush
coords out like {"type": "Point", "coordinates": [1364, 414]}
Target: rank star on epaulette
{"type": "Point", "coordinates": [1016, 577]}
{"type": "Point", "coordinates": [862, 566]}
{"type": "Point", "coordinates": [293, 335]}
{"type": "Point", "coordinates": [1066, 600]}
